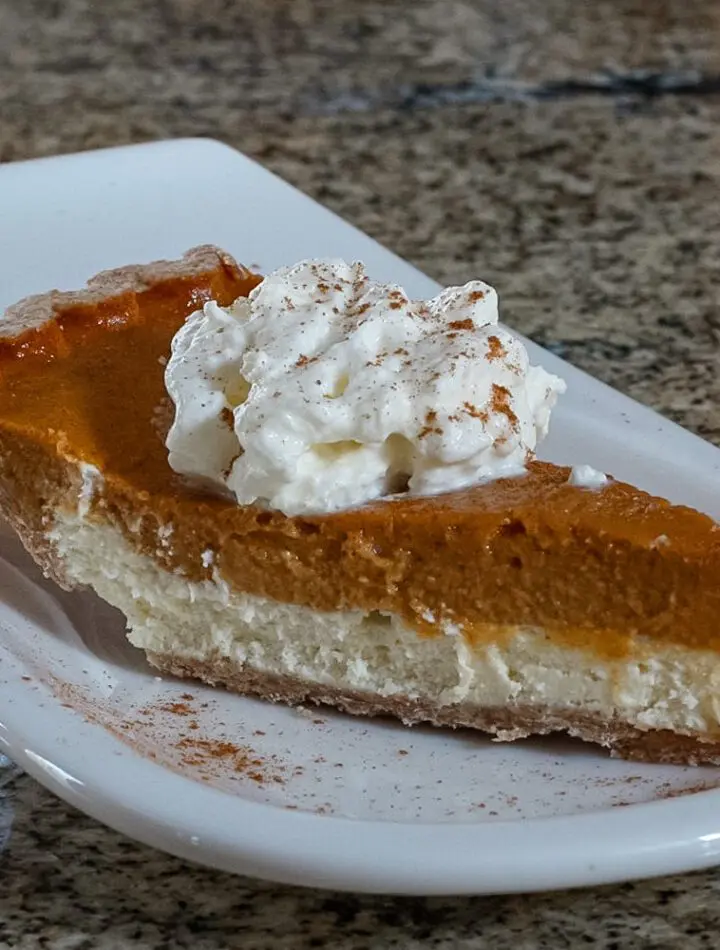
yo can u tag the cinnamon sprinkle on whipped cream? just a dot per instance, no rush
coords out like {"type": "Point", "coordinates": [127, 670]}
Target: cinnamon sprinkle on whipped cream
{"type": "Point", "coordinates": [324, 390]}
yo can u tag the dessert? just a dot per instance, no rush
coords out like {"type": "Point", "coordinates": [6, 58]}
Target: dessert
{"type": "Point", "coordinates": [439, 576]}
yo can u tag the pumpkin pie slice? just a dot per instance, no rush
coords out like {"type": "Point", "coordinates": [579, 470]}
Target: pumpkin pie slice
{"type": "Point", "coordinates": [525, 605]}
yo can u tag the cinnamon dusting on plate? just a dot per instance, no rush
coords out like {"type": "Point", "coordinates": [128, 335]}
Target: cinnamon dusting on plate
{"type": "Point", "coordinates": [168, 732]}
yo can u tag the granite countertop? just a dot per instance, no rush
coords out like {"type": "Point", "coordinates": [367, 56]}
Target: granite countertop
{"type": "Point", "coordinates": [568, 153]}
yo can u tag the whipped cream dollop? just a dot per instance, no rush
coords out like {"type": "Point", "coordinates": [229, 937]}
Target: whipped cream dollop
{"type": "Point", "coordinates": [585, 476]}
{"type": "Point", "coordinates": [324, 389]}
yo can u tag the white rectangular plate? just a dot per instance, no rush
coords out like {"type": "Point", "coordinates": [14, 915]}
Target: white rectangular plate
{"type": "Point", "coordinates": [314, 798]}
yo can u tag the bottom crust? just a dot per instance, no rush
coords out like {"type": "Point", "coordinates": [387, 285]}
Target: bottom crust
{"type": "Point", "coordinates": [505, 724]}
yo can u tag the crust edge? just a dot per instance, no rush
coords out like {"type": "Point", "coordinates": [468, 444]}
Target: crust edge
{"type": "Point", "coordinates": [659, 746]}
{"type": "Point", "coordinates": [37, 310]}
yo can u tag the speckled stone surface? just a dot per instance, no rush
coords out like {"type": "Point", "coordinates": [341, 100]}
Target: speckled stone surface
{"type": "Point", "coordinates": [66, 883]}
{"type": "Point", "coordinates": [567, 152]}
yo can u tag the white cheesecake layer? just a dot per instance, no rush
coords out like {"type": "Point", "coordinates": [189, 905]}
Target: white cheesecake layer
{"type": "Point", "coordinates": [662, 687]}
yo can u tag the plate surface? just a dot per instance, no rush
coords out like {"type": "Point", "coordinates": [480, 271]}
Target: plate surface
{"type": "Point", "coordinates": [308, 796]}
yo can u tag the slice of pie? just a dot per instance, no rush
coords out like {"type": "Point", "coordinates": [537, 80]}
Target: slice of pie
{"type": "Point", "coordinates": [525, 605]}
